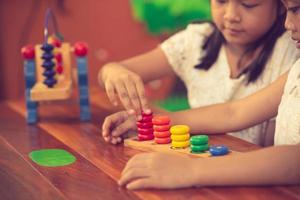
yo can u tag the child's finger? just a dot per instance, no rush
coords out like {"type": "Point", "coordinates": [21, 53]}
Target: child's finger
{"type": "Point", "coordinates": [122, 128]}
{"type": "Point", "coordinates": [123, 95]}
{"type": "Point", "coordinates": [111, 93]}
{"type": "Point", "coordinates": [132, 174]}
{"type": "Point", "coordinates": [114, 140]}
{"type": "Point", "coordinates": [142, 97]}
{"type": "Point", "coordinates": [133, 95]}
{"type": "Point", "coordinates": [140, 183]}
{"type": "Point", "coordinates": [113, 121]}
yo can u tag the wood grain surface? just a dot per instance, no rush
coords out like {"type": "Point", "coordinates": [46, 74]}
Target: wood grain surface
{"type": "Point", "coordinates": [98, 167]}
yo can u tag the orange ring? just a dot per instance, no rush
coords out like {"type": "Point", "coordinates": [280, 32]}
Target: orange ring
{"type": "Point", "coordinates": [160, 128]}
{"type": "Point", "coordinates": [162, 134]}
{"type": "Point", "coordinates": [166, 140]}
{"type": "Point", "coordinates": [161, 120]}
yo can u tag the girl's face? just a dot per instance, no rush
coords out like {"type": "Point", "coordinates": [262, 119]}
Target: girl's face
{"type": "Point", "coordinates": [243, 21]}
{"type": "Point", "coordinates": [292, 22]}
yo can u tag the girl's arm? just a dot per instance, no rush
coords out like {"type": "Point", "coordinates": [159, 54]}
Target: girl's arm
{"type": "Point", "coordinates": [126, 79]}
{"type": "Point", "coordinates": [220, 118]}
{"type": "Point", "coordinates": [235, 115]}
{"type": "Point", "coordinates": [270, 166]}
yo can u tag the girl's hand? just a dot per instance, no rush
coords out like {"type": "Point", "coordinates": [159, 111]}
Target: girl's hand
{"type": "Point", "coordinates": [116, 125]}
{"type": "Point", "coordinates": [125, 84]}
{"type": "Point", "coordinates": [159, 170]}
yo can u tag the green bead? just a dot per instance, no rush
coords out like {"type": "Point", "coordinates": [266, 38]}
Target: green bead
{"type": "Point", "coordinates": [199, 139]}
{"type": "Point", "coordinates": [199, 148]}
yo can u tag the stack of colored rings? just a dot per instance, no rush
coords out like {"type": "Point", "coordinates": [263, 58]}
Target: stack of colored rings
{"type": "Point", "coordinates": [199, 143]}
{"type": "Point", "coordinates": [145, 127]}
{"type": "Point", "coordinates": [161, 126]}
{"type": "Point", "coordinates": [180, 135]}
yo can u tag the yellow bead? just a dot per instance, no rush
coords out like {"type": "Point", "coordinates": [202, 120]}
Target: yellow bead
{"type": "Point", "coordinates": [180, 137]}
{"type": "Point", "coordinates": [179, 129]}
{"type": "Point", "coordinates": [180, 144]}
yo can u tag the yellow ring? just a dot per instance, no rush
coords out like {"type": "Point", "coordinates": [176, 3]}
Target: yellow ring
{"type": "Point", "coordinates": [180, 144]}
{"type": "Point", "coordinates": [179, 129]}
{"type": "Point", "coordinates": [180, 137]}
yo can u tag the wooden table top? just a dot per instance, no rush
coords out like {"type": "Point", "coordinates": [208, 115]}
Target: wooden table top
{"type": "Point", "coordinates": [98, 167]}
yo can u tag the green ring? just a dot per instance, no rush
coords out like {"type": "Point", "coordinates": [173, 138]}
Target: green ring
{"type": "Point", "coordinates": [199, 139]}
{"type": "Point", "coordinates": [199, 148]}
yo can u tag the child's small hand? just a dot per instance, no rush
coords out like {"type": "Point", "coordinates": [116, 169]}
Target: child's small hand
{"type": "Point", "coordinates": [116, 125]}
{"type": "Point", "coordinates": [159, 170]}
{"type": "Point", "coordinates": [128, 86]}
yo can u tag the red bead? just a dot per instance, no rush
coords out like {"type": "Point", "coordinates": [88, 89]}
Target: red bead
{"type": "Point", "coordinates": [161, 120]}
{"type": "Point", "coordinates": [161, 127]}
{"type": "Point", "coordinates": [146, 119]}
{"type": "Point", "coordinates": [166, 140]}
{"type": "Point", "coordinates": [145, 137]}
{"type": "Point", "coordinates": [28, 52]}
{"type": "Point", "coordinates": [58, 57]}
{"type": "Point", "coordinates": [81, 49]}
{"type": "Point", "coordinates": [56, 42]}
{"type": "Point", "coordinates": [145, 131]}
{"type": "Point", "coordinates": [145, 114]}
{"type": "Point", "coordinates": [162, 134]}
{"type": "Point", "coordinates": [59, 69]}
{"type": "Point", "coordinates": [144, 125]}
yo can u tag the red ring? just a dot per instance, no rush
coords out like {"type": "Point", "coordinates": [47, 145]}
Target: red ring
{"type": "Point", "coordinates": [144, 124]}
{"type": "Point", "coordinates": [145, 131]}
{"type": "Point", "coordinates": [145, 137]}
{"type": "Point", "coordinates": [146, 118]}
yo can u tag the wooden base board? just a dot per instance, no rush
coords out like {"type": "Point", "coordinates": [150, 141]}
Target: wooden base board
{"type": "Point", "coordinates": [62, 90]}
{"type": "Point", "coordinates": [150, 145]}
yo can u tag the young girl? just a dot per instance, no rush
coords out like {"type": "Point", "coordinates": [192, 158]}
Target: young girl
{"type": "Point", "coordinates": [270, 166]}
{"type": "Point", "coordinates": [244, 50]}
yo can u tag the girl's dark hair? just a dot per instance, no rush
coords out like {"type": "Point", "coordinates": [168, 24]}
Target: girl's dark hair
{"type": "Point", "coordinates": [214, 41]}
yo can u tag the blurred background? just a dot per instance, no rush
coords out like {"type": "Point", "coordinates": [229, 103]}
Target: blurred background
{"type": "Point", "coordinates": [113, 29]}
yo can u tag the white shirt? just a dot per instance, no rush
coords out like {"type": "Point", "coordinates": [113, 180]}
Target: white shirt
{"type": "Point", "coordinates": [206, 87]}
{"type": "Point", "coordinates": [288, 117]}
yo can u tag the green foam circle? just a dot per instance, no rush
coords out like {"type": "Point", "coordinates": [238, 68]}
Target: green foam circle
{"type": "Point", "coordinates": [52, 157]}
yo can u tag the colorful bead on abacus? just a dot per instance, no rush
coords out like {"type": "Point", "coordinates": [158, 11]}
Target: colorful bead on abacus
{"type": "Point", "coordinates": [48, 65]}
{"type": "Point", "coordinates": [28, 52]}
{"type": "Point", "coordinates": [80, 49]}
{"type": "Point", "coordinates": [180, 135]}
{"type": "Point", "coordinates": [56, 43]}
{"type": "Point", "coordinates": [145, 127]}
{"type": "Point", "coordinates": [161, 126]}
{"type": "Point", "coordinates": [199, 143]}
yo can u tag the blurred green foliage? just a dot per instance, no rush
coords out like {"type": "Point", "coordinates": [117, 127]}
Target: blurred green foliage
{"type": "Point", "coordinates": [167, 16]}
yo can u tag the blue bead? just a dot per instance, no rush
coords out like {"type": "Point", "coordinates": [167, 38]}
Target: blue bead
{"type": "Point", "coordinates": [47, 56]}
{"type": "Point", "coordinates": [84, 101]}
{"type": "Point", "coordinates": [48, 64]}
{"type": "Point", "coordinates": [82, 80]}
{"type": "Point", "coordinates": [49, 73]}
{"type": "Point", "coordinates": [50, 82]}
{"type": "Point", "coordinates": [47, 47]}
{"type": "Point", "coordinates": [31, 116]}
{"type": "Point", "coordinates": [218, 150]}
{"type": "Point", "coordinates": [85, 114]}
{"type": "Point", "coordinates": [83, 92]}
